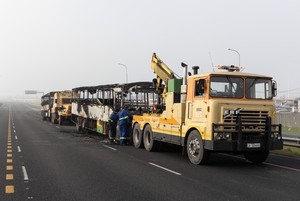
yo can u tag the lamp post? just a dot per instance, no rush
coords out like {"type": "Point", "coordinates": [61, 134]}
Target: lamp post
{"type": "Point", "coordinates": [238, 54]}
{"type": "Point", "coordinates": [126, 71]}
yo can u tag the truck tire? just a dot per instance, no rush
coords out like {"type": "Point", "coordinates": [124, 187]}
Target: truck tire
{"type": "Point", "coordinates": [256, 157]}
{"type": "Point", "coordinates": [137, 136]}
{"type": "Point", "coordinates": [149, 143]}
{"type": "Point", "coordinates": [195, 149]}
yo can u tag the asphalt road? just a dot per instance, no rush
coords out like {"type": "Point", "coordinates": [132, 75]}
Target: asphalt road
{"type": "Point", "coordinates": [41, 161]}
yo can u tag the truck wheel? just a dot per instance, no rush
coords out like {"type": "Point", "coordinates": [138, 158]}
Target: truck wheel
{"type": "Point", "coordinates": [195, 149]}
{"type": "Point", "coordinates": [256, 157]}
{"type": "Point", "coordinates": [137, 136]}
{"type": "Point", "coordinates": [149, 143]}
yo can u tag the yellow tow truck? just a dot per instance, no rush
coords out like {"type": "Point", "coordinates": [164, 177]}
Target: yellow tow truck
{"type": "Point", "coordinates": [224, 111]}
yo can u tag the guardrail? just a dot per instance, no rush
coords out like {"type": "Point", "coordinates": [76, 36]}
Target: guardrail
{"type": "Point", "coordinates": [290, 141]}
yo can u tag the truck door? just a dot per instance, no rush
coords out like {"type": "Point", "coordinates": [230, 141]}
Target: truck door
{"type": "Point", "coordinates": [198, 107]}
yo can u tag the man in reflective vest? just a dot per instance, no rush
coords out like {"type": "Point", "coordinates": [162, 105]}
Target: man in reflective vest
{"type": "Point", "coordinates": [123, 125]}
{"type": "Point", "coordinates": [113, 121]}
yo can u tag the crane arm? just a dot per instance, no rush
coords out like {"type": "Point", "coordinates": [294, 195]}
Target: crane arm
{"type": "Point", "coordinates": [162, 71]}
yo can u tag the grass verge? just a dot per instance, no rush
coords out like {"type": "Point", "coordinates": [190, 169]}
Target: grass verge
{"type": "Point", "coordinates": [289, 151]}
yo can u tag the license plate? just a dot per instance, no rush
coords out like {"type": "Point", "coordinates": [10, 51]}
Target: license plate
{"type": "Point", "coordinates": [253, 145]}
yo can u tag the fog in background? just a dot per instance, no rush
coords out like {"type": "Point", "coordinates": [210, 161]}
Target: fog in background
{"type": "Point", "coordinates": [62, 44]}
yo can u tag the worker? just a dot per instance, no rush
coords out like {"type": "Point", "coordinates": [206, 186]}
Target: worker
{"type": "Point", "coordinates": [123, 125]}
{"type": "Point", "coordinates": [113, 121]}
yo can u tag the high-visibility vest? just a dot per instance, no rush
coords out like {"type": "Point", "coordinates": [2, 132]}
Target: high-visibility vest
{"type": "Point", "coordinates": [123, 117]}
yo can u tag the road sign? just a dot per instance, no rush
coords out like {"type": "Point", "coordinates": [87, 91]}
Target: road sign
{"type": "Point", "coordinates": [30, 92]}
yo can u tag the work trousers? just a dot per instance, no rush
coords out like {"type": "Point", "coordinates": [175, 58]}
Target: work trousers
{"type": "Point", "coordinates": [123, 133]}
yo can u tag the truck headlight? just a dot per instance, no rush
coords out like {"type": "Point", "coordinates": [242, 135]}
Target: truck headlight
{"type": "Point", "coordinates": [222, 136]}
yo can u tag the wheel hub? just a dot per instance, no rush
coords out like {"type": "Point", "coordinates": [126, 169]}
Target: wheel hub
{"type": "Point", "coordinates": [194, 146]}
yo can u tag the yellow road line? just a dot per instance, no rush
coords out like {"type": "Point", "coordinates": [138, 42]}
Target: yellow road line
{"type": "Point", "coordinates": [9, 189]}
{"type": "Point", "coordinates": [9, 177]}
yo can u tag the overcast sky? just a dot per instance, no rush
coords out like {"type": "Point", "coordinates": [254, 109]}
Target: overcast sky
{"type": "Point", "coordinates": [62, 44]}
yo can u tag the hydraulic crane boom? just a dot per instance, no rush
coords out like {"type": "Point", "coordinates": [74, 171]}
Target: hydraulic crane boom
{"type": "Point", "coordinates": [163, 72]}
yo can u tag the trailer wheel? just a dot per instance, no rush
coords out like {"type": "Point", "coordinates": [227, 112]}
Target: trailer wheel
{"type": "Point", "coordinates": [137, 136]}
{"type": "Point", "coordinates": [256, 157]}
{"type": "Point", "coordinates": [149, 143]}
{"type": "Point", "coordinates": [195, 149]}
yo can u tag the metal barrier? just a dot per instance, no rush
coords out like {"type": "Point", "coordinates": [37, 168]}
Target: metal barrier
{"type": "Point", "coordinates": [292, 142]}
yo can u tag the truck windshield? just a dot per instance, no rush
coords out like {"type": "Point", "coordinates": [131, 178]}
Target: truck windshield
{"type": "Point", "coordinates": [226, 87]}
{"type": "Point", "coordinates": [258, 88]}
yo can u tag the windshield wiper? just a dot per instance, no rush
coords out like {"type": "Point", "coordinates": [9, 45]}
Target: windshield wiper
{"type": "Point", "coordinates": [231, 84]}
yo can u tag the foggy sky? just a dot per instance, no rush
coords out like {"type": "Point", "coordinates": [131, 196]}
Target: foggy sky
{"type": "Point", "coordinates": [62, 44]}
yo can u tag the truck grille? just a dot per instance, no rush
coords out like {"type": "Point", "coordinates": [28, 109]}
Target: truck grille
{"type": "Point", "coordinates": [251, 120]}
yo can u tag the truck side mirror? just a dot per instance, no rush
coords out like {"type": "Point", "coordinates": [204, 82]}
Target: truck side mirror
{"type": "Point", "coordinates": [274, 88]}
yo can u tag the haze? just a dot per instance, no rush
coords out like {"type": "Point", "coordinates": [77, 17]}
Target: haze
{"type": "Point", "coordinates": [59, 44]}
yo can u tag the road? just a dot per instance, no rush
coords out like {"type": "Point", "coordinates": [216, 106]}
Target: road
{"type": "Point", "coordinates": [41, 161]}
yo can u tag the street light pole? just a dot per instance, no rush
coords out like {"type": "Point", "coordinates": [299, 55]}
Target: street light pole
{"type": "Point", "coordinates": [126, 71]}
{"type": "Point", "coordinates": [238, 54]}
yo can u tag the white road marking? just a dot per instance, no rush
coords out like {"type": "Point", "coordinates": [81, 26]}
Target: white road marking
{"type": "Point", "coordinates": [16, 137]}
{"type": "Point", "coordinates": [270, 164]}
{"type": "Point", "coordinates": [177, 173]}
{"type": "Point", "coordinates": [14, 131]}
{"type": "Point", "coordinates": [25, 173]}
{"type": "Point", "coordinates": [57, 126]}
{"type": "Point", "coordinates": [110, 147]}
{"type": "Point", "coordinates": [283, 167]}
{"type": "Point", "coordinates": [19, 149]}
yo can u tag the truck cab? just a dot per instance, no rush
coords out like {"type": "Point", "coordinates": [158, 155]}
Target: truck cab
{"type": "Point", "coordinates": [232, 111]}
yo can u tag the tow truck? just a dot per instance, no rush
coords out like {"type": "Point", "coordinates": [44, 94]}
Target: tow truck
{"type": "Point", "coordinates": [224, 111]}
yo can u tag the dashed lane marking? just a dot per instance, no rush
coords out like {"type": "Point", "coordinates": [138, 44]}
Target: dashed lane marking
{"type": "Point", "coordinates": [9, 189]}
{"type": "Point", "coordinates": [19, 149]}
{"type": "Point", "coordinates": [110, 147]}
{"type": "Point", "coordinates": [16, 137]}
{"type": "Point", "coordinates": [25, 173]}
{"type": "Point", "coordinates": [9, 177]}
{"type": "Point", "coordinates": [166, 169]}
